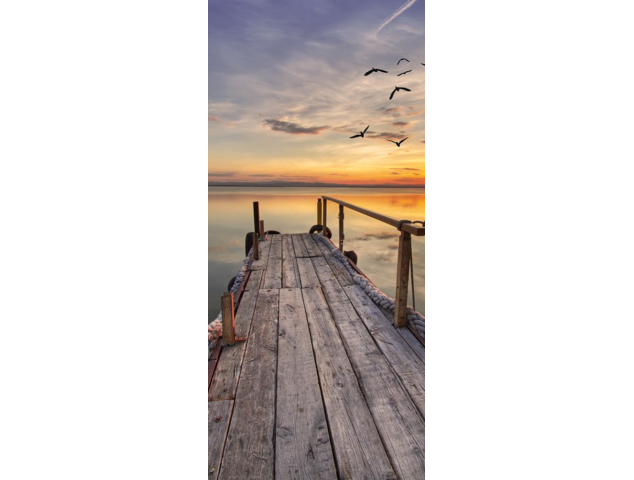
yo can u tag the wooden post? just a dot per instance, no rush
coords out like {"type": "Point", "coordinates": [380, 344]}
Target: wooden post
{"type": "Point", "coordinates": [261, 231]}
{"type": "Point", "coordinates": [256, 217]}
{"type": "Point", "coordinates": [402, 278]}
{"type": "Point", "coordinates": [256, 247]}
{"type": "Point", "coordinates": [341, 227]}
{"type": "Point", "coordinates": [323, 232]}
{"type": "Point", "coordinates": [228, 320]}
{"type": "Point", "coordinates": [319, 211]}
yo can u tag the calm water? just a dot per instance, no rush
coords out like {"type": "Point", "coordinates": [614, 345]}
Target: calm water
{"type": "Point", "coordinates": [294, 210]}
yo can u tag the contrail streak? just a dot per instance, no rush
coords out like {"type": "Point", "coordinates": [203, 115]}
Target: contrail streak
{"type": "Point", "coordinates": [394, 15]}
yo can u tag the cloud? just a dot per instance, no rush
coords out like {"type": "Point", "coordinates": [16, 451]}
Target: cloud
{"type": "Point", "coordinates": [221, 174]}
{"type": "Point", "coordinates": [400, 124]}
{"type": "Point", "coordinates": [293, 128]}
{"type": "Point", "coordinates": [395, 173]}
{"type": "Point", "coordinates": [261, 175]}
{"type": "Point", "coordinates": [407, 168]}
{"type": "Point", "coordinates": [214, 119]}
{"type": "Point", "coordinates": [378, 236]}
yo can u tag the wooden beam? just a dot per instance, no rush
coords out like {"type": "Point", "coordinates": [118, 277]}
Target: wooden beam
{"type": "Point", "coordinates": [408, 227]}
{"type": "Point", "coordinates": [261, 230]}
{"type": "Point", "coordinates": [319, 211]}
{"type": "Point", "coordinates": [402, 278]}
{"type": "Point", "coordinates": [323, 232]}
{"type": "Point", "coordinates": [256, 217]}
{"type": "Point", "coordinates": [341, 227]}
{"type": "Point", "coordinates": [256, 247]}
{"type": "Point", "coordinates": [228, 320]}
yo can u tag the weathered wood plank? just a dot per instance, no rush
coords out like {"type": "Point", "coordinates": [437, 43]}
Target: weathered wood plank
{"type": "Point", "coordinates": [302, 448]}
{"type": "Point", "coordinates": [249, 449]}
{"type": "Point", "coordinates": [273, 275]}
{"type": "Point", "coordinates": [300, 247]}
{"type": "Point", "coordinates": [218, 416]}
{"type": "Point", "coordinates": [225, 379]}
{"type": "Point", "coordinates": [255, 277]}
{"type": "Point", "coordinates": [308, 277]}
{"type": "Point", "coordinates": [411, 339]}
{"type": "Point", "coordinates": [356, 442]}
{"type": "Point", "coordinates": [329, 283]}
{"type": "Point", "coordinates": [406, 364]}
{"type": "Point", "coordinates": [400, 424]}
{"type": "Point", "coordinates": [264, 247]}
{"type": "Point", "coordinates": [311, 247]}
{"type": "Point", "coordinates": [290, 274]}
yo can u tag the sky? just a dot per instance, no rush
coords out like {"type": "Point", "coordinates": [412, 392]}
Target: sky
{"type": "Point", "coordinates": [286, 90]}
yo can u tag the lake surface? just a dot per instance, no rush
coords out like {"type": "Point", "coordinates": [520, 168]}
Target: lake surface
{"type": "Point", "coordinates": [294, 210]}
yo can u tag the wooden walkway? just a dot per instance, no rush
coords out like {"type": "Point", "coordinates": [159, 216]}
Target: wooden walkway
{"type": "Point", "coordinates": [324, 387]}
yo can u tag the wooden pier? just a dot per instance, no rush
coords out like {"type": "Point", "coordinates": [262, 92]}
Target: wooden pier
{"type": "Point", "coordinates": [323, 385]}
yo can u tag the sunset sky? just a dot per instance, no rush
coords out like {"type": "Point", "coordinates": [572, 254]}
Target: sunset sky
{"type": "Point", "coordinates": [287, 89]}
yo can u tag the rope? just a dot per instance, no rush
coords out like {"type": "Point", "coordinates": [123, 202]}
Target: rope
{"type": "Point", "coordinates": [377, 296]}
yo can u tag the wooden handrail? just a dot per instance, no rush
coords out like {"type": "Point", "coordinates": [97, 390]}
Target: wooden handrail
{"type": "Point", "coordinates": [406, 227]}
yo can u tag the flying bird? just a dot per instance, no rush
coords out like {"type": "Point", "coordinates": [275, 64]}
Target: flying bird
{"type": "Point", "coordinates": [374, 70]}
{"type": "Point", "coordinates": [423, 64]}
{"type": "Point", "coordinates": [402, 60]}
{"type": "Point", "coordinates": [361, 134]}
{"type": "Point", "coordinates": [406, 71]}
{"type": "Point", "coordinates": [398, 144]}
{"type": "Point", "coordinates": [396, 89]}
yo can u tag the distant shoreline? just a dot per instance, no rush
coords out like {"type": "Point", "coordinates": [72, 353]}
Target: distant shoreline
{"type": "Point", "coordinates": [307, 185]}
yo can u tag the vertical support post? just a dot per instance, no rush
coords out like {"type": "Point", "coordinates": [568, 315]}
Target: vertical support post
{"type": "Point", "coordinates": [341, 227]}
{"type": "Point", "coordinates": [402, 278]}
{"type": "Point", "coordinates": [256, 217]}
{"type": "Point", "coordinates": [319, 211]}
{"type": "Point", "coordinates": [256, 247]}
{"type": "Point", "coordinates": [261, 230]}
{"type": "Point", "coordinates": [228, 320]}
{"type": "Point", "coordinates": [323, 232]}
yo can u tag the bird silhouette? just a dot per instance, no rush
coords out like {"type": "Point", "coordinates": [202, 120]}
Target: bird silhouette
{"type": "Point", "coordinates": [423, 64]}
{"type": "Point", "coordinates": [402, 60]}
{"type": "Point", "coordinates": [398, 144]}
{"type": "Point", "coordinates": [396, 89]}
{"type": "Point", "coordinates": [361, 134]}
{"type": "Point", "coordinates": [406, 71]}
{"type": "Point", "coordinates": [374, 70]}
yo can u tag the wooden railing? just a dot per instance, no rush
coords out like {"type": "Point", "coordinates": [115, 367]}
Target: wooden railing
{"type": "Point", "coordinates": [407, 229]}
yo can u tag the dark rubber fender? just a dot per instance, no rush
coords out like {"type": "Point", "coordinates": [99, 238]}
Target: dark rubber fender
{"type": "Point", "coordinates": [248, 243]}
{"type": "Point", "coordinates": [352, 255]}
{"type": "Point", "coordinates": [319, 228]}
{"type": "Point", "coordinates": [272, 232]}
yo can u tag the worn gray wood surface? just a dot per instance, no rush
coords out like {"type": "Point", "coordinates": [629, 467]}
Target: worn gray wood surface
{"type": "Point", "coordinates": [311, 246]}
{"type": "Point", "coordinates": [300, 247]}
{"type": "Point", "coordinates": [290, 273]}
{"type": "Point", "coordinates": [273, 274]}
{"type": "Point", "coordinates": [264, 248]}
{"type": "Point", "coordinates": [255, 277]}
{"type": "Point", "coordinates": [308, 277]}
{"type": "Point", "coordinates": [302, 447]}
{"type": "Point", "coordinates": [407, 365]}
{"type": "Point", "coordinates": [356, 442]}
{"type": "Point", "coordinates": [225, 380]}
{"type": "Point", "coordinates": [400, 424]}
{"type": "Point", "coordinates": [218, 415]}
{"type": "Point", "coordinates": [336, 266]}
{"type": "Point", "coordinates": [328, 281]}
{"type": "Point", "coordinates": [249, 449]}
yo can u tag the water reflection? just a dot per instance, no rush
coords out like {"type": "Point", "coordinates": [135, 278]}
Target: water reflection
{"type": "Point", "coordinates": [294, 210]}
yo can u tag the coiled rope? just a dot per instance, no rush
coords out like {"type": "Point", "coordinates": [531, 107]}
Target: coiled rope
{"type": "Point", "coordinates": [371, 290]}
